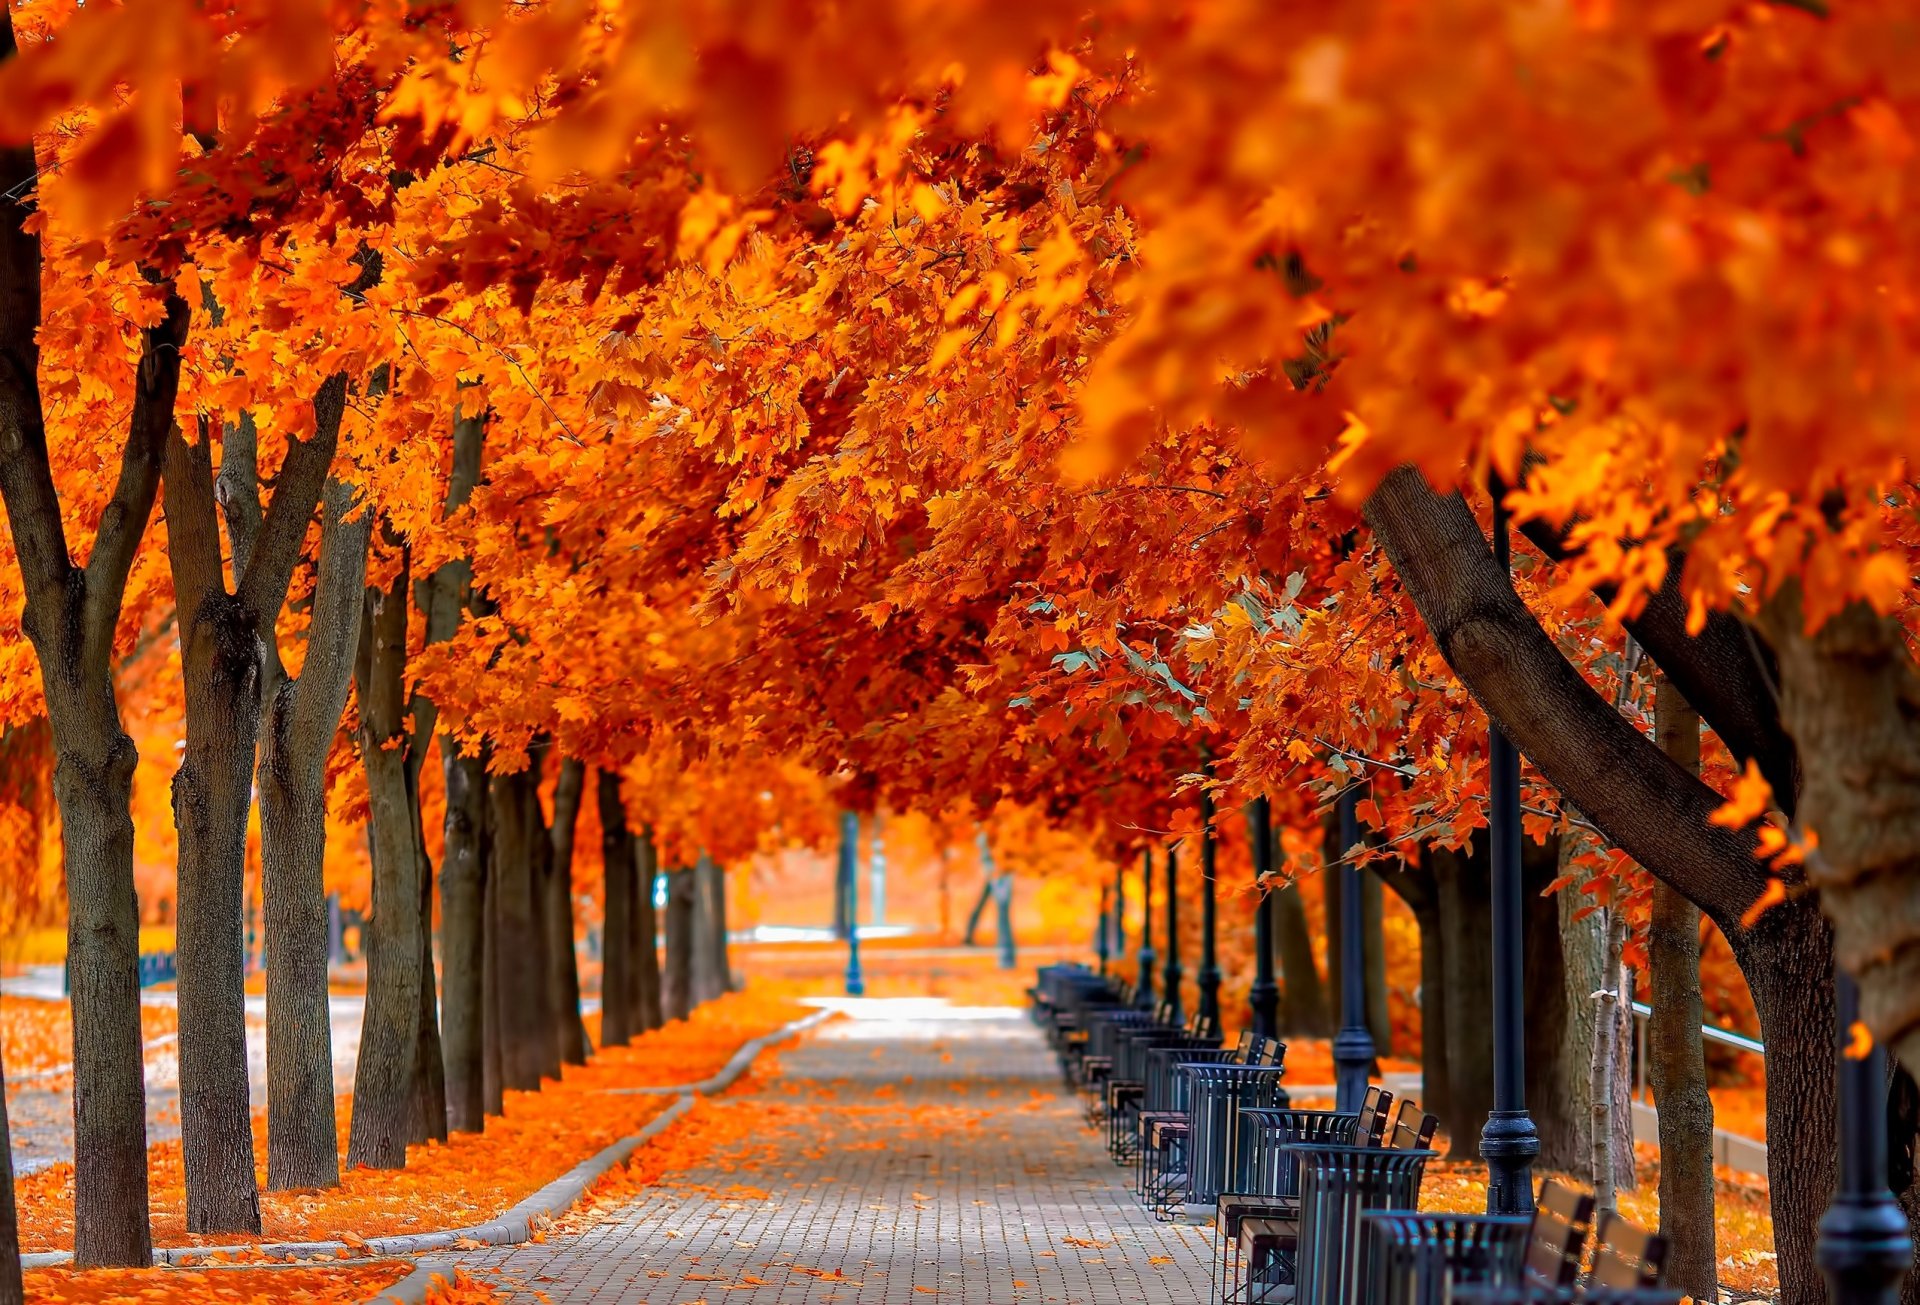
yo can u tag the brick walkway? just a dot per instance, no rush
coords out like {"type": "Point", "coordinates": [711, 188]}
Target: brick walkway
{"type": "Point", "coordinates": [908, 1152]}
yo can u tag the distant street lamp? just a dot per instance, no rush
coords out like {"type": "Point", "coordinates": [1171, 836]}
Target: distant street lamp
{"type": "Point", "coordinates": [1264, 996]}
{"type": "Point", "coordinates": [1145, 994]}
{"type": "Point", "coordinates": [850, 887]}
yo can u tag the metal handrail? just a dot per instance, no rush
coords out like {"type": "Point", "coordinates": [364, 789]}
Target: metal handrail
{"type": "Point", "coordinates": [1711, 1033]}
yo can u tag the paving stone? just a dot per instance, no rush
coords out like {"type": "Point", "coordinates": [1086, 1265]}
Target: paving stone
{"type": "Point", "coordinates": [947, 1162]}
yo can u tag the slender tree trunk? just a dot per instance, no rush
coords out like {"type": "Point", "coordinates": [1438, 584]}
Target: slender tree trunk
{"type": "Point", "coordinates": [563, 964]}
{"type": "Point", "coordinates": [1465, 907]}
{"type": "Point", "coordinates": [717, 921]}
{"type": "Point", "coordinates": [1417, 888]}
{"type": "Point", "coordinates": [644, 975]}
{"type": "Point", "coordinates": [1303, 994]}
{"type": "Point", "coordinates": [493, 1060]}
{"type": "Point", "coordinates": [429, 1067]}
{"type": "Point", "coordinates": [12, 1290]}
{"type": "Point", "coordinates": [1676, 1053]}
{"type": "Point", "coordinates": [537, 1015]}
{"type": "Point", "coordinates": [463, 913]}
{"type": "Point", "coordinates": [383, 1083]}
{"type": "Point", "coordinates": [303, 1147]}
{"type": "Point", "coordinates": [973, 916]}
{"type": "Point", "coordinates": [702, 963]}
{"type": "Point", "coordinates": [677, 982]}
{"type": "Point", "coordinates": [1606, 1029]}
{"type": "Point", "coordinates": [618, 1017]}
{"type": "Point", "coordinates": [1583, 946]}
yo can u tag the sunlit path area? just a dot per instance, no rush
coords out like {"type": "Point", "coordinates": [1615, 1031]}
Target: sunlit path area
{"type": "Point", "coordinates": [909, 1149]}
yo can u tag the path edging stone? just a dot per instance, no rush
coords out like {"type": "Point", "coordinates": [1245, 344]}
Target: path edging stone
{"type": "Point", "coordinates": [517, 1224]}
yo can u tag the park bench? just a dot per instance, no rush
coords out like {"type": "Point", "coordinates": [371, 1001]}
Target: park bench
{"type": "Point", "coordinates": [1111, 1043]}
{"type": "Point", "coordinates": [1126, 1084]}
{"type": "Point", "coordinates": [1269, 1186]}
{"type": "Point", "coordinates": [1313, 1251]}
{"type": "Point", "coordinates": [1185, 1150]}
{"type": "Point", "coordinates": [1488, 1294]}
{"type": "Point", "coordinates": [1625, 1257]}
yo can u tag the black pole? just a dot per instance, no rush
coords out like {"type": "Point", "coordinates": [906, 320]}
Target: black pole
{"type": "Point", "coordinates": [1100, 932]}
{"type": "Point", "coordinates": [850, 887]}
{"type": "Point", "coordinates": [1264, 996]}
{"type": "Point", "coordinates": [1208, 977]}
{"type": "Point", "coordinates": [1119, 912]}
{"type": "Point", "coordinates": [1509, 1142]}
{"type": "Point", "coordinates": [1353, 1044]}
{"type": "Point", "coordinates": [1144, 992]}
{"type": "Point", "coordinates": [1170, 977]}
{"type": "Point", "coordinates": [1864, 1248]}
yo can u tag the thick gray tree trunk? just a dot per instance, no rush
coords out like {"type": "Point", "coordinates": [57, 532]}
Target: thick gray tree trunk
{"type": "Point", "coordinates": [303, 1148]}
{"type": "Point", "coordinates": [562, 964]}
{"type": "Point", "coordinates": [524, 1011]}
{"type": "Point", "coordinates": [1650, 808]}
{"type": "Point", "coordinates": [383, 1083]}
{"type": "Point", "coordinates": [1676, 1053]}
{"type": "Point", "coordinates": [704, 964]}
{"type": "Point", "coordinates": [463, 915]}
{"type": "Point", "coordinates": [677, 982]}
{"type": "Point", "coordinates": [645, 979]}
{"type": "Point", "coordinates": [619, 1015]}
{"type": "Point", "coordinates": [70, 616]}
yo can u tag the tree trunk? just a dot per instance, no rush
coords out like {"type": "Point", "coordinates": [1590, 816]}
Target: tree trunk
{"type": "Point", "coordinates": [12, 1290]}
{"type": "Point", "coordinates": [717, 920]}
{"type": "Point", "coordinates": [303, 1145]}
{"type": "Point", "coordinates": [1303, 995]}
{"type": "Point", "coordinates": [463, 914]}
{"type": "Point", "coordinates": [1676, 1053]}
{"type": "Point", "coordinates": [383, 1081]}
{"type": "Point", "coordinates": [1466, 914]}
{"type": "Point", "coordinates": [677, 981]}
{"type": "Point", "coordinates": [563, 964]}
{"type": "Point", "coordinates": [429, 1065]}
{"type": "Point", "coordinates": [1417, 887]}
{"type": "Point", "coordinates": [542, 1030]}
{"type": "Point", "coordinates": [618, 1017]}
{"type": "Point", "coordinates": [1569, 1048]}
{"type": "Point", "coordinates": [1606, 1030]}
{"type": "Point", "coordinates": [703, 963]}
{"type": "Point", "coordinates": [493, 1061]}
{"type": "Point", "coordinates": [527, 1047]}
{"type": "Point", "coordinates": [644, 976]}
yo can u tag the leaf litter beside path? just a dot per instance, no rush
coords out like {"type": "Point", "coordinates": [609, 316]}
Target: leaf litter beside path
{"type": "Point", "coordinates": [472, 1177]}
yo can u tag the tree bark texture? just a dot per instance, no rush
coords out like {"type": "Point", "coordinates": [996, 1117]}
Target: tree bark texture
{"type": "Point", "coordinates": [383, 1082]}
{"type": "Point", "coordinates": [1418, 888]}
{"type": "Point", "coordinates": [1601, 1172]}
{"type": "Point", "coordinates": [1303, 994]}
{"type": "Point", "coordinates": [645, 979]}
{"type": "Point", "coordinates": [429, 1065]}
{"type": "Point", "coordinates": [223, 657]}
{"type": "Point", "coordinates": [69, 617]}
{"type": "Point", "coordinates": [676, 995]}
{"type": "Point", "coordinates": [563, 965]}
{"type": "Point", "coordinates": [1651, 809]}
{"type": "Point", "coordinates": [493, 1061]}
{"type": "Point", "coordinates": [1676, 1053]}
{"type": "Point", "coordinates": [1850, 696]}
{"type": "Point", "coordinates": [303, 1148]}
{"type": "Point", "coordinates": [463, 914]}
{"type": "Point", "coordinates": [12, 1290]}
{"type": "Point", "coordinates": [618, 1013]}
{"type": "Point", "coordinates": [524, 1011]}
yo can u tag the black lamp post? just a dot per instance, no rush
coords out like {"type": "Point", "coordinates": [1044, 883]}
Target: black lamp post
{"type": "Point", "coordinates": [1264, 996]}
{"type": "Point", "coordinates": [1147, 958]}
{"type": "Point", "coordinates": [1100, 931]}
{"type": "Point", "coordinates": [1509, 1142]}
{"type": "Point", "coordinates": [1208, 977]}
{"type": "Point", "coordinates": [1864, 1248]}
{"type": "Point", "coordinates": [1353, 1044]}
{"type": "Point", "coordinates": [850, 886]}
{"type": "Point", "coordinates": [1120, 912]}
{"type": "Point", "coordinates": [1171, 976]}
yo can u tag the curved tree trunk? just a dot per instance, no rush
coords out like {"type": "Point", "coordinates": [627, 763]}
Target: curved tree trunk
{"type": "Point", "coordinates": [618, 1016]}
{"type": "Point", "coordinates": [463, 914]}
{"type": "Point", "coordinates": [303, 1146]}
{"type": "Point", "coordinates": [383, 1081]}
{"type": "Point", "coordinates": [676, 995]}
{"type": "Point", "coordinates": [562, 963]}
{"type": "Point", "coordinates": [644, 977]}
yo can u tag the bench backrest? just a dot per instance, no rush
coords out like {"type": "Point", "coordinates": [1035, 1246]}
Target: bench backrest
{"type": "Point", "coordinates": [1374, 1108]}
{"type": "Point", "coordinates": [1625, 1255]}
{"type": "Point", "coordinates": [1205, 1026]}
{"type": "Point", "coordinates": [1266, 1051]}
{"type": "Point", "coordinates": [1242, 1053]}
{"type": "Point", "coordinates": [1561, 1222]}
{"type": "Point", "coordinates": [1412, 1128]}
{"type": "Point", "coordinates": [1163, 1013]}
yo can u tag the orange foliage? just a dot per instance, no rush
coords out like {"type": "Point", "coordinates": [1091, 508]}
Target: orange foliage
{"type": "Point", "coordinates": [38, 1035]}
{"type": "Point", "coordinates": [337, 1286]}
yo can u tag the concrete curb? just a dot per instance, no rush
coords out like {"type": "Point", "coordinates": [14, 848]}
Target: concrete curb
{"type": "Point", "coordinates": [517, 1224]}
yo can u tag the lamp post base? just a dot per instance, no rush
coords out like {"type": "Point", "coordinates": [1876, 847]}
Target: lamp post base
{"type": "Point", "coordinates": [1264, 998]}
{"type": "Point", "coordinates": [1144, 990]}
{"type": "Point", "coordinates": [1864, 1249]}
{"type": "Point", "coordinates": [1509, 1144]}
